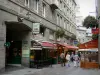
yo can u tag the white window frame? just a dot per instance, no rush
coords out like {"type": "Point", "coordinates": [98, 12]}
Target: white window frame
{"type": "Point", "coordinates": [26, 3]}
{"type": "Point", "coordinates": [64, 24]}
{"type": "Point", "coordinates": [37, 5]}
{"type": "Point", "coordinates": [60, 4]}
{"type": "Point", "coordinates": [68, 25]}
{"type": "Point", "coordinates": [64, 8]}
{"type": "Point", "coordinates": [44, 10]}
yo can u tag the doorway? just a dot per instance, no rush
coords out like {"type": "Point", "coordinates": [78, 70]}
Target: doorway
{"type": "Point", "coordinates": [14, 51]}
{"type": "Point", "coordinates": [16, 32]}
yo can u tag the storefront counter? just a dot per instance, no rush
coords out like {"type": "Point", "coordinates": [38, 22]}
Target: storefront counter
{"type": "Point", "coordinates": [89, 65]}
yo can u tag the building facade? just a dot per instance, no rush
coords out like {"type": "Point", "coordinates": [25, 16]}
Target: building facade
{"type": "Point", "coordinates": [98, 17]}
{"type": "Point", "coordinates": [79, 17]}
{"type": "Point", "coordinates": [83, 36]}
{"type": "Point", "coordinates": [17, 21]}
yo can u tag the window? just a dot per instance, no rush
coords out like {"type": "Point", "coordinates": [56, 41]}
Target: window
{"type": "Point", "coordinates": [70, 12]}
{"type": "Point", "coordinates": [83, 40]}
{"type": "Point", "coordinates": [26, 3]}
{"type": "Point", "coordinates": [70, 28]}
{"type": "Point", "coordinates": [64, 24]}
{"type": "Point", "coordinates": [60, 21]}
{"type": "Point", "coordinates": [67, 25]}
{"type": "Point", "coordinates": [60, 4]}
{"type": "Point", "coordinates": [36, 5]}
{"type": "Point", "coordinates": [57, 19]}
{"type": "Point", "coordinates": [64, 8]}
{"type": "Point", "coordinates": [44, 9]}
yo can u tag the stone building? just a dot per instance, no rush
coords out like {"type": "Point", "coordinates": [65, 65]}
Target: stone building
{"type": "Point", "coordinates": [83, 35]}
{"type": "Point", "coordinates": [17, 19]}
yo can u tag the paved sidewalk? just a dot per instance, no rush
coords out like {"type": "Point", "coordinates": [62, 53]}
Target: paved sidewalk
{"type": "Point", "coordinates": [25, 71]}
{"type": "Point", "coordinates": [55, 70]}
{"type": "Point", "coordinates": [58, 70]}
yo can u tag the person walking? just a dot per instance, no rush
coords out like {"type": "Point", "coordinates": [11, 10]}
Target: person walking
{"type": "Point", "coordinates": [68, 60]}
{"type": "Point", "coordinates": [62, 56]}
{"type": "Point", "coordinates": [76, 60]}
{"type": "Point", "coordinates": [72, 57]}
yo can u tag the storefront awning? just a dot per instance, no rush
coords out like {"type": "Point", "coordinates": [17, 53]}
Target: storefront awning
{"type": "Point", "coordinates": [47, 44]}
{"type": "Point", "coordinates": [89, 45]}
{"type": "Point", "coordinates": [90, 50]}
{"type": "Point", "coordinates": [70, 47]}
{"type": "Point", "coordinates": [43, 44]}
{"type": "Point", "coordinates": [59, 44]}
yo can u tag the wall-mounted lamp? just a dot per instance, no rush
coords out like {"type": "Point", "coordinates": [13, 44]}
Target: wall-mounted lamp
{"type": "Point", "coordinates": [28, 14]}
{"type": "Point", "coordinates": [20, 19]}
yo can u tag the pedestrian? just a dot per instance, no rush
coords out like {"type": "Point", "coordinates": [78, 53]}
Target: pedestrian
{"type": "Point", "coordinates": [76, 60]}
{"type": "Point", "coordinates": [62, 56]}
{"type": "Point", "coordinates": [72, 57]}
{"type": "Point", "coordinates": [68, 60]}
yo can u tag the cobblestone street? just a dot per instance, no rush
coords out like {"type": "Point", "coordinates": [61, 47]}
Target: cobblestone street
{"type": "Point", "coordinates": [54, 70]}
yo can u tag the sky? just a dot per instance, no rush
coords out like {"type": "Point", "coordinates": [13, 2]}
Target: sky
{"type": "Point", "coordinates": [87, 7]}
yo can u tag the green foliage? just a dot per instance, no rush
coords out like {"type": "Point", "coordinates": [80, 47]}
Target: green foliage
{"type": "Point", "coordinates": [78, 44]}
{"type": "Point", "coordinates": [60, 33]}
{"type": "Point", "coordinates": [91, 22]}
{"type": "Point", "coordinates": [95, 36]}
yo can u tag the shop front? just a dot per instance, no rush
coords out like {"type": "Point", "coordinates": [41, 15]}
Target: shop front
{"type": "Point", "coordinates": [89, 54]}
{"type": "Point", "coordinates": [60, 49]}
{"type": "Point", "coordinates": [40, 54]}
{"type": "Point", "coordinates": [89, 58]}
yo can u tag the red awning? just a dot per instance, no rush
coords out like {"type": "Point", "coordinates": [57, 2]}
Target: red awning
{"type": "Point", "coordinates": [47, 45]}
{"type": "Point", "coordinates": [90, 44]}
{"type": "Point", "coordinates": [70, 47]}
{"type": "Point", "coordinates": [59, 44]}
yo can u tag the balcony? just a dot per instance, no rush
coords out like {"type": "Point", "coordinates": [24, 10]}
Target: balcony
{"type": "Point", "coordinates": [54, 4]}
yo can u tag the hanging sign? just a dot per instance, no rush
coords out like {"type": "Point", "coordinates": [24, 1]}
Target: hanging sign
{"type": "Point", "coordinates": [36, 28]}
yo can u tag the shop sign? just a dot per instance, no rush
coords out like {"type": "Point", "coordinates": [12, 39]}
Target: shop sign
{"type": "Point", "coordinates": [25, 45]}
{"type": "Point", "coordinates": [25, 53]}
{"type": "Point", "coordinates": [36, 28]}
{"type": "Point", "coordinates": [51, 37]}
{"type": "Point", "coordinates": [35, 46]}
{"type": "Point", "coordinates": [25, 49]}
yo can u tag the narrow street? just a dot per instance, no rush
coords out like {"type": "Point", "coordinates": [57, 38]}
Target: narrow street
{"type": "Point", "coordinates": [37, 37]}
{"type": "Point", "coordinates": [54, 70]}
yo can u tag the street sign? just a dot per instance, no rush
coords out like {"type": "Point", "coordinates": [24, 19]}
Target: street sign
{"type": "Point", "coordinates": [75, 42]}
